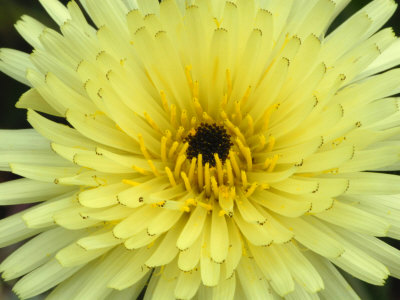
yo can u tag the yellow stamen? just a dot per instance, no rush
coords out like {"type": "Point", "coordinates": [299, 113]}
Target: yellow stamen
{"type": "Point", "coordinates": [261, 142]}
{"type": "Point", "coordinates": [206, 117]}
{"type": "Point", "coordinates": [246, 95]}
{"type": "Point", "coordinates": [235, 165]}
{"type": "Point", "coordinates": [244, 178]}
{"type": "Point", "coordinates": [191, 201]}
{"type": "Point", "coordinates": [207, 206]}
{"type": "Point", "coordinates": [179, 162]}
{"type": "Point", "coordinates": [273, 163]}
{"type": "Point", "coordinates": [192, 169]}
{"type": "Point", "coordinates": [143, 147]}
{"type": "Point", "coordinates": [224, 101]}
{"type": "Point", "coordinates": [164, 149]}
{"type": "Point", "coordinates": [200, 170]}
{"type": "Point", "coordinates": [170, 176]}
{"type": "Point", "coordinates": [246, 152]}
{"type": "Point", "coordinates": [197, 107]}
{"type": "Point", "coordinates": [173, 149]}
{"type": "Point", "coordinates": [251, 190]}
{"type": "Point", "coordinates": [184, 148]}
{"type": "Point", "coordinates": [193, 122]}
{"type": "Point", "coordinates": [238, 112]}
{"type": "Point", "coordinates": [164, 101]}
{"type": "Point", "coordinates": [185, 208]}
{"type": "Point", "coordinates": [186, 181]}
{"type": "Point", "coordinates": [184, 118]}
{"type": "Point", "coordinates": [220, 172]}
{"type": "Point", "coordinates": [196, 89]}
{"type": "Point", "coordinates": [173, 116]}
{"type": "Point", "coordinates": [168, 134]}
{"type": "Point", "coordinates": [153, 167]}
{"type": "Point", "coordinates": [140, 170]}
{"type": "Point", "coordinates": [267, 163]}
{"type": "Point", "coordinates": [250, 126]}
{"type": "Point", "coordinates": [130, 182]}
{"type": "Point", "coordinates": [222, 213]}
{"type": "Point", "coordinates": [214, 186]}
{"type": "Point", "coordinates": [271, 143]}
{"type": "Point", "coordinates": [151, 122]}
{"type": "Point", "coordinates": [267, 115]}
{"type": "Point", "coordinates": [179, 133]}
{"type": "Point", "coordinates": [188, 74]}
{"type": "Point", "coordinates": [229, 171]}
{"type": "Point", "coordinates": [207, 179]}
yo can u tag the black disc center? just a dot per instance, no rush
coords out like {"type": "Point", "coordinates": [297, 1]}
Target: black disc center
{"type": "Point", "coordinates": [208, 140]}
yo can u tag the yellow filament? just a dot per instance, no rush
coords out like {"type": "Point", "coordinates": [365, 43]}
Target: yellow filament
{"type": "Point", "coordinates": [267, 163]}
{"type": "Point", "coordinates": [271, 143]}
{"type": "Point", "coordinates": [200, 170]}
{"type": "Point", "coordinates": [229, 172]}
{"type": "Point", "coordinates": [151, 122]}
{"type": "Point", "coordinates": [214, 186]}
{"type": "Point", "coordinates": [207, 206]}
{"type": "Point", "coordinates": [196, 89]}
{"type": "Point", "coordinates": [184, 148]}
{"type": "Point", "coordinates": [173, 149]}
{"type": "Point", "coordinates": [244, 178]}
{"type": "Point", "coordinates": [246, 95]}
{"type": "Point", "coordinates": [130, 182]}
{"type": "Point", "coordinates": [164, 101]}
{"type": "Point", "coordinates": [179, 133]}
{"type": "Point", "coordinates": [267, 115]}
{"type": "Point", "coordinates": [193, 122]}
{"type": "Point", "coordinates": [164, 149]}
{"type": "Point", "coordinates": [143, 147]}
{"type": "Point", "coordinates": [179, 162]}
{"type": "Point", "coordinates": [153, 167]}
{"type": "Point", "coordinates": [273, 163]}
{"type": "Point", "coordinates": [220, 172]}
{"type": "Point", "coordinates": [239, 134]}
{"type": "Point", "coordinates": [184, 118]}
{"type": "Point", "coordinates": [251, 190]}
{"type": "Point", "coordinates": [168, 134]}
{"type": "Point", "coordinates": [192, 169]}
{"type": "Point", "coordinates": [188, 74]}
{"type": "Point", "coordinates": [207, 179]}
{"type": "Point", "coordinates": [250, 125]}
{"type": "Point", "coordinates": [238, 112]}
{"type": "Point", "coordinates": [246, 152]}
{"type": "Point", "coordinates": [170, 176]}
{"type": "Point", "coordinates": [206, 117]}
{"type": "Point", "coordinates": [185, 208]}
{"type": "Point", "coordinates": [191, 201]}
{"type": "Point", "coordinates": [261, 142]}
{"type": "Point", "coordinates": [224, 101]}
{"type": "Point", "coordinates": [235, 165]}
{"type": "Point", "coordinates": [173, 115]}
{"type": "Point", "coordinates": [140, 170]}
{"type": "Point", "coordinates": [224, 116]}
{"type": "Point", "coordinates": [186, 181]}
{"type": "Point", "coordinates": [197, 107]}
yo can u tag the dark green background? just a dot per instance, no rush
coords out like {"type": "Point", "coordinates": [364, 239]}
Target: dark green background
{"type": "Point", "coordinates": [12, 118]}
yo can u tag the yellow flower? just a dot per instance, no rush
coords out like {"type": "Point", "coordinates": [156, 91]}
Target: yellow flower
{"type": "Point", "coordinates": [214, 150]}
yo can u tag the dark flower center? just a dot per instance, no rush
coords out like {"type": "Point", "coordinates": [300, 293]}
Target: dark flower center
{"type": "Point", "coordinates": [208, 140]}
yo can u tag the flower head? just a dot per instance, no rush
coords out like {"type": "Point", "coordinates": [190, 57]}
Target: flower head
{"type": "Point", "coordinates": [214, 149]}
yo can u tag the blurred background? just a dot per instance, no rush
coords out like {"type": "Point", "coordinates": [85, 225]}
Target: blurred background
{"type": "Point", "coordinates": [12, 118]}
